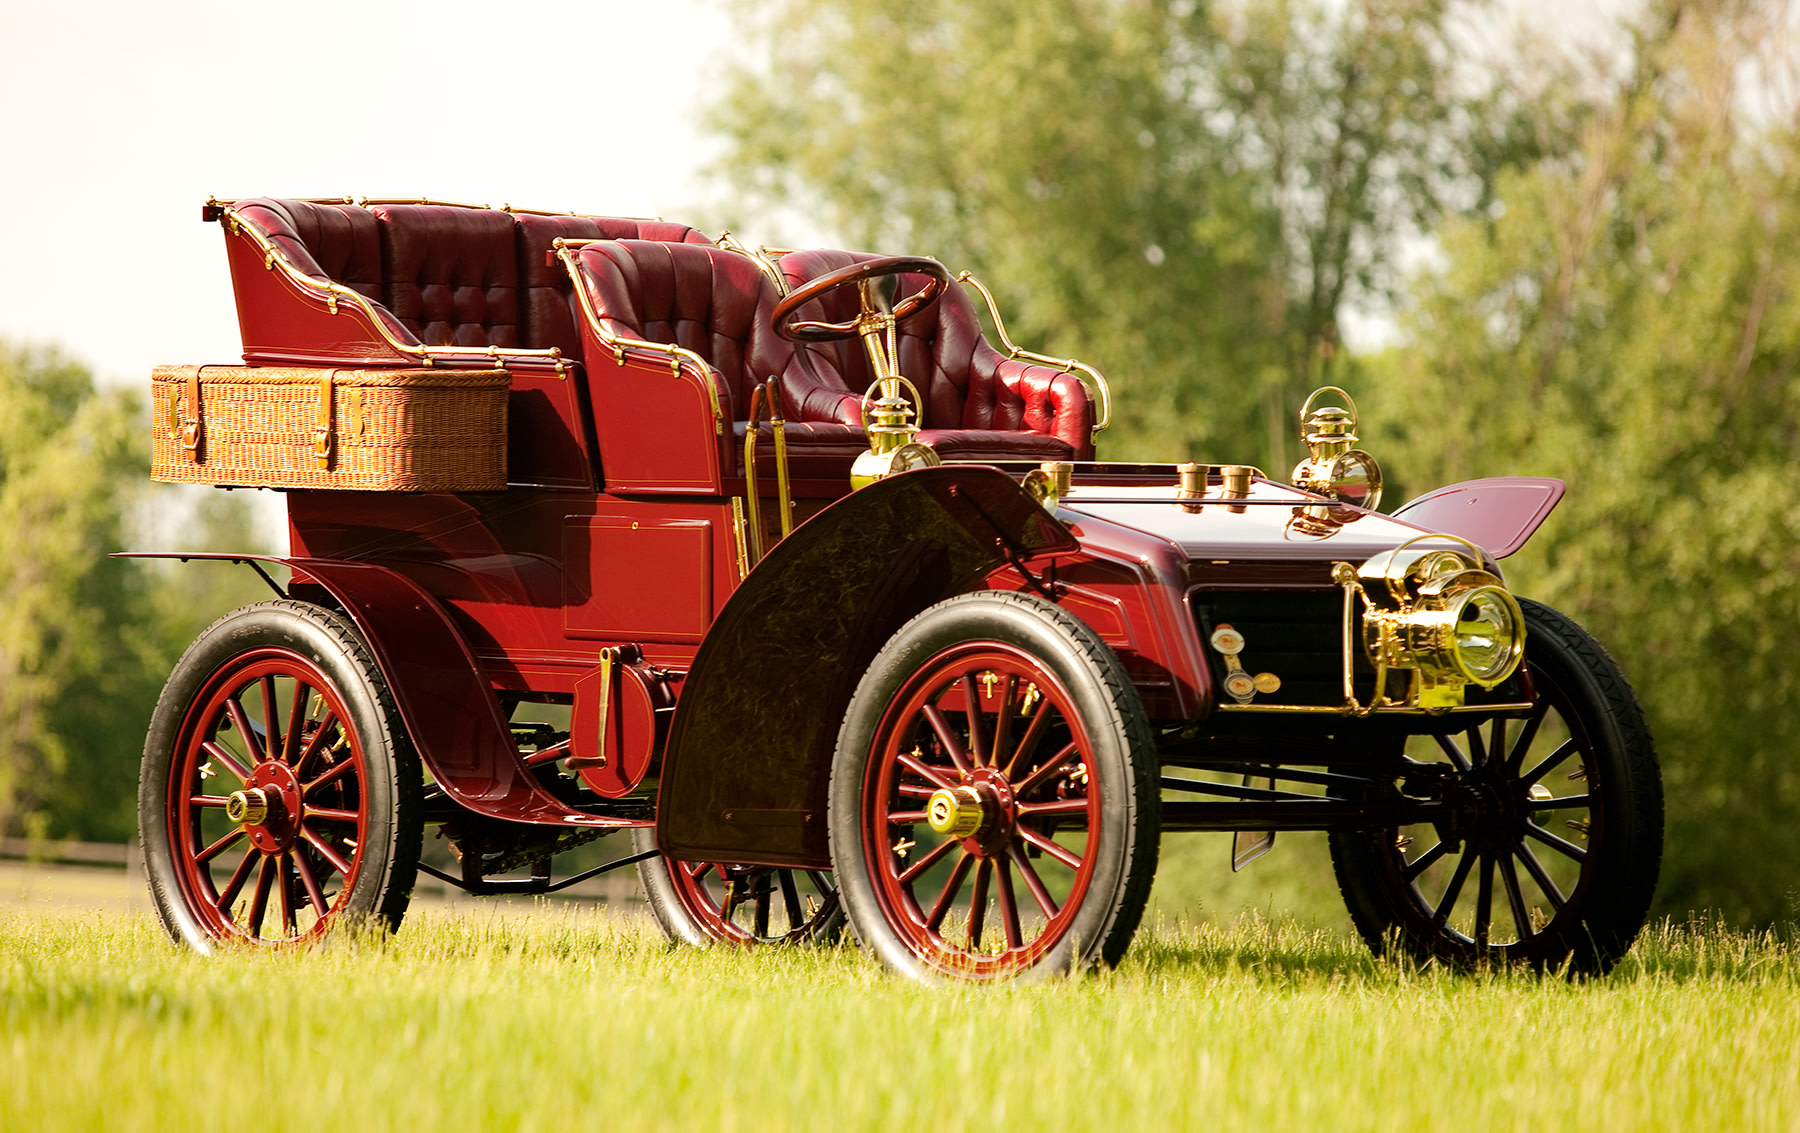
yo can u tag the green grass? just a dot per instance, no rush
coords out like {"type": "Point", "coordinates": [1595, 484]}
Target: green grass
{"type": "Point", "coordinates": [555, 1019]}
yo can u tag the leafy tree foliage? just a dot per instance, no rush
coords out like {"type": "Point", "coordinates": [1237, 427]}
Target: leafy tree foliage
{"type": "Point", "coordinates": [1187, 193]}
{"type": "Point", "coordinates": [85, 640]}
{"type": "Point", "coordinates": [1631, 323]}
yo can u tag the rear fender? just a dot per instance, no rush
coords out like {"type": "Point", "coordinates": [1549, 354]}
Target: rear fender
{"type": "Point", "coordinates": [445, 701]}
{"type": "Point", "coordinates": [748, 762]}
{"type": "Point", "coordinates": [1497, 514]}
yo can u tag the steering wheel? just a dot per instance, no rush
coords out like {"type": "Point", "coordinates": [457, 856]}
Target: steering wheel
{"type": "Point", "coordinates": [876, 315]}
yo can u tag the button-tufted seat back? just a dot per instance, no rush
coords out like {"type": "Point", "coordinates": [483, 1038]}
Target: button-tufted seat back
{"type": "Point", "coordinates": [979, 404]}
{"type": "Point", "coordinates": [446, 275]}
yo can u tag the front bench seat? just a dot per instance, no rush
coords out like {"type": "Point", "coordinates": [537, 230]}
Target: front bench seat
{"type": "Point", "coordinates": [979, 404]}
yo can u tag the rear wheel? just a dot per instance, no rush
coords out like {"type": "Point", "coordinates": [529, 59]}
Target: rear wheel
{"type": "Point", "coordinates": [278, 794]}
{"type": "Point", "coordinates": [715, 903]}
{"type": "Point", "coordinates": [994, 806]}
{"type": "Point", "coordinates": [1555, 836]}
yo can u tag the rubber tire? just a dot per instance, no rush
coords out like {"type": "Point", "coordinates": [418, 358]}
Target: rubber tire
{"type": "Point", "coordinates": [680, 924]}
{"type": "Point", "coordinates": [1616, 897]}
{"type": "Point", "coordinates": [1124, 765]}
{"type": "Point", "coordinates": [391, 842]}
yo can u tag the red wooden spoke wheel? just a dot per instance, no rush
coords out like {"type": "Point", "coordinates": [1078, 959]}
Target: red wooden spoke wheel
{"type": "Point", "coordinates": [994, 805]}
{"type": "Point", "coordinates": [278, 796]}
{"type": "Point", "coordinates": [714, 902]}
{"type": "Point", "coordinates": [1550, 853]}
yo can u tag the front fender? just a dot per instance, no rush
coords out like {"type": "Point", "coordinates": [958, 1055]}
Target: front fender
{"type": "Point", "coordinates": [1497, 514]}
{"type": "Point", "coordinates": [748, 760]}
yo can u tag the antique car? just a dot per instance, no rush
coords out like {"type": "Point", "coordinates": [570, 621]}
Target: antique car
{"type": "Point", "coordinates": [773, 562]}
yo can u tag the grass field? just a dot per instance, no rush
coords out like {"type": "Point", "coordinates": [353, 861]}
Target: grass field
{"type": "Point", "coordinates": [554, 1018]}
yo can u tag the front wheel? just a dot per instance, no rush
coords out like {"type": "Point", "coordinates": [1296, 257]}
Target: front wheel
{"type": "Point", "coordinates": [1554, 836]}
{"type": "Point", "coordinates": [994, 807]}
{"type": "Point", "coordinates": [278, 795]}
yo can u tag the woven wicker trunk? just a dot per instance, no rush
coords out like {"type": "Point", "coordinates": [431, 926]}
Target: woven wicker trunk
{"type": "Point", "coordinates": [295, 427]}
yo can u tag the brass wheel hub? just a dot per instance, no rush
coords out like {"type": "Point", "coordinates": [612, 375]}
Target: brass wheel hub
{"type": "Point", "coordinates": [268, 808]}
{"type": "Point", "coordinates": [956, 812]}
{"type": "Point", "coordinates": [979, 811]}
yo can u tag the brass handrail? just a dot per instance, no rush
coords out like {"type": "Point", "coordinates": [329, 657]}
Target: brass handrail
{"type": "Point", "coordinates": [1066, 365]}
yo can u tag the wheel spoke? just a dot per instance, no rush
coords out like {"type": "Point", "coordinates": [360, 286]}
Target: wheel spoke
{"type": "Point", "coordinates": [325, 850]}
{"type": "Point", "coordinates": [313, 892]}
{"type": "Point", "coordinates": [952, 745]}
{"type": "Point", "coordinates": [1043, 774]}
{"type": "Point", "coordinates": [235, 884]}
{"type": "Point", "coordinates": [284, 894]}
{"type": "Point", "coordinates": [1540, 875]}
{"type": "Point", "coordinates": [214, 802]}
{"type": "Point", "coordinates": [296, 723]}
{"type": "Point", "coordinates": [219, 847]}
{"type": "Point", "coordinates": [272, 743]}
{"type": "Point", "coordinates": [1484, 901]}
{"type": "Point", "coordinates": [1562, 845]}
{"type": "Point", "coordinates": [1551, 762]}
{"type": "Point", "coordinates": [1516, 758]}
{"type": "Point", "coordinates": [924, 771]}
{"type": "Point", "coordinates": [978, 740]}
{"type": "Point", "coordinates": [978, 904]}
{"type": "Point", "coordinates": [1061, 854]}
{"type": "Point", "coordinates": [1478, 752]}
{"type": "Point", "coordinates": [951, 888]}
{"type": "Point", "coordinates": [337, 772]}
{"type": "Point", "coordinates": [790, 899]}
{"type": "Point", "coordinates": [1060, 806]}
{"type": "Point", "coordinates": [927, 861]}
{"type": "Point", "coordinates": [1003, 720]}
{"type": "Point", "coordinates": [1563, 802]}
{"type": "Point", "coordinates": [762, 896]}
{"type": "Point", "coordinates": [905, 817]}
{"type": "Point", "coordinates": [242, 723]}
{"type": "Point", "coordinates": [259, 901]}
{"type": "Point", "coordinates": [1032, 881]}
{"type": "Point", "coordinates": [328, 814]}
{"type": "Point", "coordinates": [217, 751]}
{"type": "Point", "coordinates": [914, 791]}
{"type": "Point", "coordinates": [1028, 742]}
{"type": "Point", "coordinates": [1455, 753]}
{"type": "Point", "coordinates": [314, 742]}
{"type": "Point", "coordinates": [1453, 890]}
{"type": "Point", "coordinates": [1509, 876]}
{"type": "Point", "coordinates": [1009, 905]}
{"type": "Point", "coordinates": [1425, 861]}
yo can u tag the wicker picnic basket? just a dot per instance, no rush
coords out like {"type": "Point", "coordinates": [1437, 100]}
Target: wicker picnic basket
{"type": "Point", "coordinates": [297, 427]}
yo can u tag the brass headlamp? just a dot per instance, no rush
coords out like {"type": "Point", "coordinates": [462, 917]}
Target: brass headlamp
{"type": "Point", "coordinates": [1439, 614]}
{"type": "Point", "coordinates": [1334, 467]}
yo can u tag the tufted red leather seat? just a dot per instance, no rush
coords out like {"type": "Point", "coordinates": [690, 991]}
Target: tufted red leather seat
{"type": "Point", "coordinates": [550, 316]}
{"type": "Point", "coordinates": [979, 404]}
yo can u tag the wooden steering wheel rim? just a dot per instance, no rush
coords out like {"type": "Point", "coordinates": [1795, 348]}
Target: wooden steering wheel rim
{"type": "Point", "coordinates": [787, 328]}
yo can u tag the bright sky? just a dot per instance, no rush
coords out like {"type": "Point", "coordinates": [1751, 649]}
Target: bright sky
{"type": "Point", "coordinates": [119, 117]}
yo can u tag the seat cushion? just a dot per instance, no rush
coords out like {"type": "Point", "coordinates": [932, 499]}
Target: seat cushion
{"type": "Point", "coordinates": [550, 316]}
{"type": "Point", "coordinates": [451, 275]}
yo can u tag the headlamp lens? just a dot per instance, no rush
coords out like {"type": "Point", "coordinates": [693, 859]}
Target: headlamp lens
{"type": "Point", "coordinates": [1487, 635]}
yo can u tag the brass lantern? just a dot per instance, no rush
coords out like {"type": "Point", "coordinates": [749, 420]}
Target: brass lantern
{"type": "Point", "coordinates": [1334, 466]}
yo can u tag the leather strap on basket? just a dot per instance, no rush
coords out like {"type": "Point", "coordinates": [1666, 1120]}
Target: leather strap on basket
{"type": "Point", "coordinates": [190, 415]}
{"type": "Point", "coordinates": [322, 434]}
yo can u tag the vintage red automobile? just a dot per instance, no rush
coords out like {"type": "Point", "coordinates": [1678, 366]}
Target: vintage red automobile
{"type": "Point", "coordinates": [772, 561]}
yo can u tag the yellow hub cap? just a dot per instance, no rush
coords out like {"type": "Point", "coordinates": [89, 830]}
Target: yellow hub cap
{"type": "Point", "coordinates": [955, 811]}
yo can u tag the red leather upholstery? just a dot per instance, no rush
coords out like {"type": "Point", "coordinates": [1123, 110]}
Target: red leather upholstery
{"type": "Point", "coordinates": [714, 302]}
{"type": "Point", "coordinates": [451, 275]}
{"type": "Point", "coordinates": [979, 404]}
{"type": "Point", "coordinates": [549, 311]}
{"type": "Point", "coordinates": [340, 243]}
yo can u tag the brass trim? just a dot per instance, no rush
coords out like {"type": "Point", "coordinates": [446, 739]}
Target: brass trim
{"type": "Point", "coordinates": [608, 658]}
{"type": "Point", "coordinates": [1374, 709]}
{"type": "Point", "coordinates": [752, 495]}
{"type": "Point", "coordinates": [784, 496]}
{"type": "Point", "coordinates": [737, 532]}
{"type": "Point", "coordinates": [1066, 365]}
{"type": "Point", "coordinates": [619, 345]}
{"type": "Point", "coordinates": [764, 263]}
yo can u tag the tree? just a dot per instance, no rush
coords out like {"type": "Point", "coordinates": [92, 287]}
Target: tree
{"type": "Point", "coordinates": [1186, 195]}
{"type": "Point", "coordinates": [1631, 323]}
{"type": "Point", "coordinates": [85, 640]}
